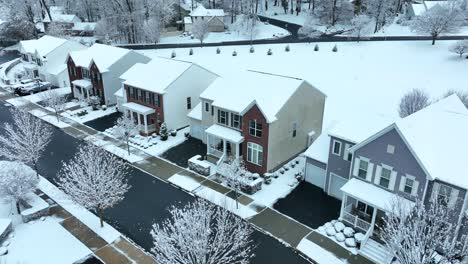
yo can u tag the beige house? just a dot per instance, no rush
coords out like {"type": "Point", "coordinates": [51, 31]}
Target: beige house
{"type": "Point", "coordinates": [215, 18]}
{"type": "Point", "coordinates": [263, 118]}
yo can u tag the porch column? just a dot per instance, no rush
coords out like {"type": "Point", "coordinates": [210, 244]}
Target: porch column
{"type": "Point", "coordinates": [374, 215]}
{"type": "Point", "coordinates": [237, 151]}
{"type": "Point", "coordinates": [208, 144]}
{"type": "Point", "coordinates": [343, 204]}
{"type": "Point", "coordinates": [146, 124]}
{"type": "Point", "coordinates": [87, 92]}
{"type": "Point", "coordinates": [224, 148]}
{"type": "Point", "coordinates": [139, 121]}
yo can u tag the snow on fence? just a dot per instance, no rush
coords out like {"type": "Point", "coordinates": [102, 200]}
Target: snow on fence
{"type": "Point", "coordinates": [6, 67]}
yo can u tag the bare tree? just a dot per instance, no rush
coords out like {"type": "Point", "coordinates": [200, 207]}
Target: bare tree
{"type": "Point", "coordinates": [417, 235]}
{"type": "Point", "coordinates": [57, 30]}
{"type": "Point", "coordinates": [460, 47]}
{"type": "Point", "coordinates": [152, 30]}
{"type": "Point", "coordinates": [55, 101]}
{"type": "Point", "coordinates": [234, 174]}
{"type": "Point", "coordinates": [381, 11]}
{"type": "Point", "coordinates": [360, 26]}
{"type": "Point", "coordinates": [202, 233]}
{"type": "Point", "coordinates": [94, 178]}
{"type": "Point", "coordinates": [248, 25]}
{"type": "Point", "coordinates": [333, 11]}
{"type": "Point", "coordinates": [463, 95]}
{"type": "Point", "coordinates": [125, 128]}
{"type": "Point", "coordinates": [412, 102]}
{"type": "Point", "coordinates": [438, 20]}
{"type": "Point", "coordinates": [25, 139]}
{"type": "Point", "coordinates": [200, 30]}
{"type": "Point", "coordinates": [16, 180]}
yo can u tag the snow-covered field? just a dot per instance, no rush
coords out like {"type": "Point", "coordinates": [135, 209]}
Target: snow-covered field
{"type": "Point", "coordinates": [359, 78]}
{"type": "Point", "coordinates": [264, 32]}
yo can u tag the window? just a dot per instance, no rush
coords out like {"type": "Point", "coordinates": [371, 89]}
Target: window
{"type": "Point", "coordinates": [362, 173]}
{"type": "Point", "coordinates": [139, 94]}
{"type": "Point", "coordinates": [189, 103]}
{"type": "Point", "coordinates": [408, 188]}
{"type": "Point", "coordinates": [147, 98]}
{"type": "Point", "coordinates": [158, 116]}
{"type": "Point", "coordinates": [86, 74]}
{"type": "Point", "coordinates": [336, 147]}
{"type": "Point", "coordinates": [207, 107]}
{"type": "Point", "coordinates": [443, 195]}
{"type": "Point", "coordinates": [294, 129]}
{"type": "Point", "coordinates": [347, 154]}
{"type": "Point", "coordinates": [255, 128]}
{"type": "Point", "coordinates": [212, 110]}
{"type": "Point", "coordinates": [254, 153]}
{"type": "Point", "coordinates": [131, 92]}
{"type": "Point", "coordinates": [222, 117]}
{"type": "Point", "coordinates": [385, 176]}
{"type": "Point", "coordinates": [364, 208]}
{"type": "Point", "coordinates": [390, 149]}
{"type": "Point", "coordinates": [236, 121]}
{"type": "Point", "coordinates": [156, 100]}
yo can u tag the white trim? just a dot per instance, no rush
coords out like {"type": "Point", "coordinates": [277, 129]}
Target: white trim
{"type": "Point", "coordinates": [370, 171]}
{"type": "Point", "coordinates": [393, 176]}
{"type": "Point", "coordinates": [333, 147]}
{"type": "Point", "coordinates": [355, 170]}
{"type": "Point", "coordinates": [347, 152]}
{"type": "Point", "coordinates": [378, 174]}
{"type": "Point", "coordinates": [329, 181]}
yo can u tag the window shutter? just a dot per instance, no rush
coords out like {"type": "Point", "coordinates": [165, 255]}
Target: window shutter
{"type": "Point", "coordinates": [435, 190]}
{"type": "Point", "coordinates": [453, 198]}
{"type": "Point", "coordinates": [370, 169]}
{"type": "Point", "coordinates": [393, 177]}
{"type": "Point", "coordinates": [402, 184]}
{"type": "Point", "coordinates": [414, 191]}
{"type": "Point", "coordinates": [356, 166]}
{"type": "Point", "coordinates": [378, 172]}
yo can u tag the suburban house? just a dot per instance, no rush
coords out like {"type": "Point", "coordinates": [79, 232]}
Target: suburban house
{"type": "Point", "coordinates": [264, 118]}
{"type": "Point", "coordinates": [58, 16]}
{"type": "Point", "coordinates": [418, 8]}
{"type": "Point", "coordinates": [163, 90]}
{"type": "Point", "coordinates": [84, 29]}
{"type": "Point", "coordinates": [96, 71]}
{"type": "Point", "coordinates": [44, 58]}
{"type": "Point", "coordinates": [420, 157]}
{"type": "Point", "coordinates": [214, 18]}
{"type": "Point", "coordinates": [328, 159]}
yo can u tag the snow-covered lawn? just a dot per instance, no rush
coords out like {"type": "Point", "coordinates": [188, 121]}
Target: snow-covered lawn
{"type": "Point", "coordinates": [118, 151]}
{"type": "Point", "coordinates": [277, 12]}
{"type": "Point", "coordinates": [317, 253]}
{"type": "Point", "coordinates": [91, 114]}
{"type": "Point", "coordinates": [108, 233]}
{"type": "Point", "coordinates": [37, 97]}
{"type": "Point", "coordinates": [49, 118]}
{"type": "Point", "coordinates": [153, 145]}
{"type": "Point", "coordinates": [359, 78]}
{"type": "Point", "coordinates": [280, 187]}
{"type": "Point", "coordinates": [264, 32]}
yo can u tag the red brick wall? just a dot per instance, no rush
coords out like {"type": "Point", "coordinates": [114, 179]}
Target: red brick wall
{"type": "Point", "coordinates": [70, 66]}
{"type": "Point", "coordinates": [97, 83]}
{"type": "Point", "coordinates": [152, 119]}
{"type": "Point", "coordinates": [255, 114]}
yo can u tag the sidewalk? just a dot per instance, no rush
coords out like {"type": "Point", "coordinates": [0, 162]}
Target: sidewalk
{"type": "Point", "coordinates": [120, 251]}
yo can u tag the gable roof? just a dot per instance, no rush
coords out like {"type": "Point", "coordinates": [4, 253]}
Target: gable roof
{"type": "Point", "coordinates": [155, 76]}
{"type": "Point", "coordinates": [43, 45]}
{"type": "Point", "coordinates": [241, 90]}
{"type": "Point", "coordinates": [203, 12]}
{"type": "Point", "coordinates": [64, 18]}
{"type": "Point", "coordinates": [436, 135]}
{"type": "Point", "coordinates": [104, 56]}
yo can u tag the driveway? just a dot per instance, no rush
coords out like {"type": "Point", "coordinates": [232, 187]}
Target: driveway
{"type": "Point", "coordinates": [182, 153]}
{"type": "Point", "coordinates": [105, 122]}
{"type": "Point", "coordinates": [309, 205]}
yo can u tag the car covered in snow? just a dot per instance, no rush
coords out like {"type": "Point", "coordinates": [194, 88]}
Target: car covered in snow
{"type": "Point", "coordinates": [34, 87]}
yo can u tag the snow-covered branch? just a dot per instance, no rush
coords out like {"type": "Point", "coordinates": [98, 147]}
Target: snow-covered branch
{"type": "Point", "coordinates": [16, 180]}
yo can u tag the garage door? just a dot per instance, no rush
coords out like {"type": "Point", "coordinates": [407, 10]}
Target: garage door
{"type": "Point", "coordinates": [336, 182]}
{"type": "Point", "coordinates": [315, 175]}
{"type": "Point", "coordinates": [196, 130]}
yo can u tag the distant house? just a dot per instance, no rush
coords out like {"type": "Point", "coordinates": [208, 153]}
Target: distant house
{"type": "Point", "coordinates": [44, 58]}
{"type": "Point", "coordinates": [214, 17]}
{"type": "Point", "coordinates": [85, 29]}
{"type": "Point", "coordinates": [420, 157]}
{"type": "Point", "coordinates": [57, 15]}
{"type": "Point", "coordinates": [96, 71]}
{"type": "Point", "coordinates": [265, 119]}
{"type": "Point", "coordinates": [163, 90]}
{"type": "Point", "coordinates": [417, 8]}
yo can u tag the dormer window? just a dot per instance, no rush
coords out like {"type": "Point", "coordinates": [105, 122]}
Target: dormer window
{"type": "Point", "coordinates": [223, 117]}
{"type": "Point", "coordinates": [86, 74]}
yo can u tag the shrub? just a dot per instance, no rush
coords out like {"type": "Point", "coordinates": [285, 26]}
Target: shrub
{"type": "Point", "coordinates": [252, 50]}
{"type": "Point", "coordinates": [269, 52]}
{"type": "Point", "coordinates": [316, 48]}
{"type": "Point", "coordinates": [173, 54]}
{"type": "Point", "coordinates": [190, 52]}
{"type": "Point", "coordinates": [218, 50]}
{"type": "Point", "coordinates": [287, 49]}
{"type": "Point", "coordinates": [335, 49]}
{"type": "Point", "coordinates": [234, 53]}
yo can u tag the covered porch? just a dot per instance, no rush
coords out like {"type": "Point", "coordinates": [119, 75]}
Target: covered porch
{"type": "Point", "coordinates": [223, 142]}
{"type": "Point", "coordinates": [139, 114]}
{"type": "Point", "coordinates": [83, 88]}
{"type": "Point", "coordinates": [365, 205]}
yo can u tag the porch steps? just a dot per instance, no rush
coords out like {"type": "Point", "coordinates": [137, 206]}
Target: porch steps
{"type": "Point", "coordinates": [375, 252]}
{"type": "Point", "coordinates": [212, 159]}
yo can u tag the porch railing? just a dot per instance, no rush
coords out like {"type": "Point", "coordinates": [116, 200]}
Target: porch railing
{"type": "Point", "coordinates": [215, 152]}
{"type": "Point", "coordinates": [356, 221]}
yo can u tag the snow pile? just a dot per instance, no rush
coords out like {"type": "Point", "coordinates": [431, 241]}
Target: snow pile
{"type": "Point", "coordinates": [341, 234]}
{"type": "Point", "coordinates": [184, 182]}
{"type": "Point", "coordinates": [317, 253]}
{"type": "Point", "coordinates": [121, 152]}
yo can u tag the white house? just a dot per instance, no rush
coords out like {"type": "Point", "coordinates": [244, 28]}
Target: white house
{"type": "Point", "coordinates": [214, 17]}
{"type": "Point", "coordinates": [418, 8]}
{"type": "Point", "coordinates": [44, 58]}
{"type": "Point", "coordinates": [163, 90]}
{"type": "Point", "coordinates": [96, 71]}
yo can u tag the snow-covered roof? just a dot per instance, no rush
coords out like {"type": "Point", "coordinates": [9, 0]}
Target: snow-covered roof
{"type": "Point", "coordinates": [187, 20]}
{"type": "Point", "coordinates": [56, 68]}
{"type": "Point", "coordinates": [196, 112]}
{"type": "Point", "coordinates": [229, 134]}
{"type": "Point", "coordinates": [63, 18]}
{"type": "Point", "coordinates": [84, 26]}
{"type": "Point", "coordinates": [418, 9]}
{"type": "Point", "coordinates": [437, 135]}
{"type": "Point", "coordinates": [103, 55]}
{"type": "Point", "coordinates": [431, 4]}
{"type": "Point", "coordinates": [84, 83]}
{"type": "Point", "coordinates": [155, 76]}
{"type": "Point", "coordinates": [141, 109]}
{"type": "Point", "coordinates": [201, 11]}
{"type": "Point", "coordinates": [358, 129]}
{"type": "Point", "coordinates": [240, 90]}
{"type": "Point", "coordinates": [44, 45]}
{"type": "Point", "coordinates": [320, 148]}
{"type": "Point", "coordinates": [374, 195]}
{"type": "Point", "coordinates": [119, 93]}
